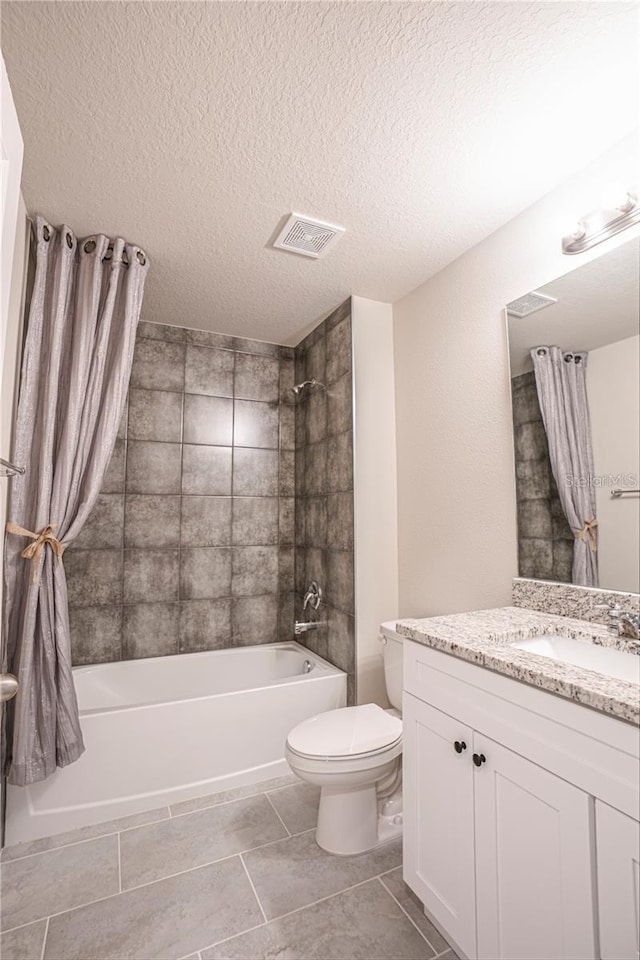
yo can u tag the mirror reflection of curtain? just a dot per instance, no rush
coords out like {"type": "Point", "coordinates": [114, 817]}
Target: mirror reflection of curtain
{"type": "Point", "coordinates": [77, 360]}
{"type": "Point", "coordinates": [562, 394]}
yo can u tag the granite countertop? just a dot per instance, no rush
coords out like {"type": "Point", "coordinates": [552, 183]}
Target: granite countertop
{"type": "Point", "coordinates": [483, 637]}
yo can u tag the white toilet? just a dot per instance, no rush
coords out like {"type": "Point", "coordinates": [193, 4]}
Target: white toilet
{"type": "Point", "coordinates": [355, 755]}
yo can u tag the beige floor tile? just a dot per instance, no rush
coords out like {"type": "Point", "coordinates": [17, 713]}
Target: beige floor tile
{"type": "Point", "coordinates": [297, 805]}
{"type": "Point", "coordinates": [160, 921]}
{"type": "Point", "coordinates": [408, 900]}
{"type": "Point", "coordinates": [360, 924]}
{"type": "Point", "coordinates": [25, 943]}
{"type": "Point", "coordinates": [164, 848]}
{"type": "Point", "coordinates": [83, 833]}
{"type": "Point", "coordinates": [58, 880]}
{"type": "Point", "coordinates": [295, 872]}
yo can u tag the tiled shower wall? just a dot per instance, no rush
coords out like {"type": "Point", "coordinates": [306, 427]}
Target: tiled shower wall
{"type": "Point", "coordinates": [190, 545]}
{"type": "Point", "coordinates": [545, 540]}
{"type": "Point", "coordinates": [324, 489]}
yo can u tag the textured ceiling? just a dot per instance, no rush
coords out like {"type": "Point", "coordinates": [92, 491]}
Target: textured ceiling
{"type": "Point", "coordinates": [193, 128]}
{"type": "Point", "coordinates": [597, 304]}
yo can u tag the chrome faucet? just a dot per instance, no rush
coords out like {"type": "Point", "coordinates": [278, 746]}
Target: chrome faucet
{"type": "Point", "coordinates": [622, 623]}
{"type": "Point", "coordinates": [303, 626]}
{"type": "Point", "coordinates": [629, 625]}
{"type": "Point", "coordinates": [313, 596]}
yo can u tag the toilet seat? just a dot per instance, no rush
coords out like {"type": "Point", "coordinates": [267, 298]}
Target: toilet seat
{"type": "Point", "coordinates": [349, 733]}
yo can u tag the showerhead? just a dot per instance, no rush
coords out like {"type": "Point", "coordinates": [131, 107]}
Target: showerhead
{"type": "Point", "coordinates": [299, 387]}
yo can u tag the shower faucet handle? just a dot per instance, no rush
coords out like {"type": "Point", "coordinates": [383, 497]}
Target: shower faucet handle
{"type": "Point", "coordinates": [313, 596]}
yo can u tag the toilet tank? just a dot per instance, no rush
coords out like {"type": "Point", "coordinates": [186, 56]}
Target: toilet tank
{"type": "Point", "coordinates": [393, 662]}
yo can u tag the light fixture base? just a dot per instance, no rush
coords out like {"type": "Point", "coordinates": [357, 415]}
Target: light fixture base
{"type": "Point", "coordinates": [600, 225]}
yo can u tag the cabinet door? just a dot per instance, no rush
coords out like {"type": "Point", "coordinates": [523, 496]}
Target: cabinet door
{"type": "Point", "coordinates": [534, 842]}
{"type": "Point", "coordinates": [618, 849]}
{"type": "Point", "coordinates": [438, 818]}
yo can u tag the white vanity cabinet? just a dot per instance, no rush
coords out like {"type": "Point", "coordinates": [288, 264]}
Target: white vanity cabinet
{"type": "Point", "coordinates": [618, 869]}
{"type": "Point", "coordinates": [504, 814]}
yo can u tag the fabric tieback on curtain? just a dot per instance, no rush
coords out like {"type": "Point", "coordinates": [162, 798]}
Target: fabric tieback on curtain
{"type": "Point", "coordinates": [588, 533]}
{"type": "Point", "coordinates": [34, 550]}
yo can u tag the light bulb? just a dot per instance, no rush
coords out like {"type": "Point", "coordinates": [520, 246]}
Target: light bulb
{"type": "Point", "coordinates": [616, 197]}
{"type": "Point", "coordinates": [576, 231]}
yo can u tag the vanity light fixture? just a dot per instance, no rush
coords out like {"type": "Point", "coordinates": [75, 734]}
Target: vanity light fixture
{"type": "Point", "coordinates": [619, 211]}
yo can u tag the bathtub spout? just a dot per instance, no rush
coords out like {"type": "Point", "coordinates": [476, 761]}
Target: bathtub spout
{"type": "Point", "coordinates": [304, 627]}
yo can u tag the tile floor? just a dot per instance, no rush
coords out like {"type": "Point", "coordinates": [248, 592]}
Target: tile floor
{"type": "Point", "coordinates": [235, 875]}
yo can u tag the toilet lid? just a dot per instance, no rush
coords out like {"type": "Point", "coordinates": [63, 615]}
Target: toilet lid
{"type": "Point", "coordinates": [346, 732]}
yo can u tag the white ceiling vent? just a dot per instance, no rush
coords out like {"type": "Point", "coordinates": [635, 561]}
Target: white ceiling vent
{"type": "Point", "coordinates": [529, 303]}
{"type": "Point", "coordinates": [311, 238]}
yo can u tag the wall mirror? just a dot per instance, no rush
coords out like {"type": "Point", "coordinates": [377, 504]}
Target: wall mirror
{"type": "Point", "coordinates": [574, 348]}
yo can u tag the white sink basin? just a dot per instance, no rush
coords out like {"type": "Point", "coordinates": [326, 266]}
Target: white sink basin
{"type": "Point", "coordinates": [581, 653]}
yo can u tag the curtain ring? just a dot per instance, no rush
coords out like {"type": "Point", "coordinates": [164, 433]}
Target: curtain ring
{"type": "Point", "coordinates": [140, 257]}
{"type": "Point", "coordinates": [89, 246]}
{"type": "Point", "coordinates": [541, 352]}
{"type": "Point", "coordinates": [109, 254]}
{"type": "Point", "coordinates": [69, 240]}
{"type": "Point", "coordinates": [578, 358]}
{"type": "Point", "coordinates": [568, 358]}
{"type": "Point", "coordinates": [46, 233]}
{"type": "Point", "coordinates": [125, 257]}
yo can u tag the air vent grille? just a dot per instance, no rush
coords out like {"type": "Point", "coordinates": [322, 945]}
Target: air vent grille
{"type": "Point", "coordinates": [529, 303]}
{"type": "Point", "coordinates": [311, 238]}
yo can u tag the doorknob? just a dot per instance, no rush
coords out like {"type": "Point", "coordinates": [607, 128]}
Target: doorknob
{"type": "Point", "coordinates": [479, 759]}
{"type": "Point", "coordinates": [8, 686]}
{"type": "Point", "coordinates": [459, 746]}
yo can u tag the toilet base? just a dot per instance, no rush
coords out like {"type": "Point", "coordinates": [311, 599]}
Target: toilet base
{"type": "Point", "coordinates": [355, 821]}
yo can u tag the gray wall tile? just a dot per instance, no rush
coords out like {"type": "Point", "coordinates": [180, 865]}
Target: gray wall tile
{"type": "Point", "coordinates": [220, 341]}
{"type": "Point", "coordinates": [206, 521]}
{"type": "Point", "coordinates": [338, 351]}
{"type": "Point", "coordinates": [255, 473]}
{"type": "Point", "coordinates": [287, 477]}
{"type": "Point", "coordinates": [205, 573]}
{"type": "Point", "coordinates": [255, 571]}
{"type": "Point", "coordinates": [104, 526]}
{"type": "Point", "coordinates": [340, 405]}
{"type": "Point", "coordinates": [340, 521]}
{"type": "Point", "coordinates": [255, 424]}
{"type": "Point", "coordinates": [257, 378]}
{"type": "Point", "coordinates": [287, 519]}
{"type": "Point", "coordinates": [287, 381]}
{"type": "Point", "coordinates": [155, 415]}
{"type": "Point", "coordinates": [24, 943]}
{"type": "Point", "coordinates": [115, 474]}
{"type": "Point", "coordinates": [204, 625]}
{"type": "Point", "coordinates": [208, 420]}
{"type": "Point", "coordinates": [255, 521]}
{"type": "Point", "coordinates": [151, 521]}
{"type": "Point", "coordinates": [158, 365]}
{"type": "Point", "coordinates": [287, 427]}
{"type": "Point", "coordinates": [209, 371]}
{"type": "Point", "coordinates": [151, 630]}
{"type": "Point", "coordinates": [206, 470]}
{"type": "Point", "coordinates": [150, 574]}
{"type": "Point", "coordinates": [160, 331]}
{"type": "Point", "coordinates": [96, 633]}
{"type": "Point", "coordinates": [93, 577]}
{"type": "Point", "coordinates": [340, 463]}
{"type": "Point", "coordinates": [255, 620]}
{"type": "Point", "coordinates": [153, 467]}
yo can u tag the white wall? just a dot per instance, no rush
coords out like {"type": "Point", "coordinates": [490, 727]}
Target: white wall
{"type": "Point", "coordinates": [456, 491]}
{"type": "Point", "coordinates": [375, 493]}
{"type": "Point", "coordinates": [9, 355]}
{"type": "Point", "coordinates": [613, 388]}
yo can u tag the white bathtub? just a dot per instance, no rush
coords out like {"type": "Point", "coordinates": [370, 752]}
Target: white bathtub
{"type": "Point", "coordinates": [167, 729]}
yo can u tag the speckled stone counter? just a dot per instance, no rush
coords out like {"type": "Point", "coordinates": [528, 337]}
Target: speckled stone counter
{"type": "Point", "coordinates": [483, 637]}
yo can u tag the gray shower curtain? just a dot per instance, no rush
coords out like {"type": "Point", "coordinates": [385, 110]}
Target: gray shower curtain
{"type": "Point", "coordinates": [77, 361]}
{"type": "Point", "coordinates": [561, 381]}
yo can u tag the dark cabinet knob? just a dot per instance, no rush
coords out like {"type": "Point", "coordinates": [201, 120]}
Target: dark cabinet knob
{"type": "Point", "coordinates": [459, 746]}
{"type": "Point", "coordinates": [479, 759]}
